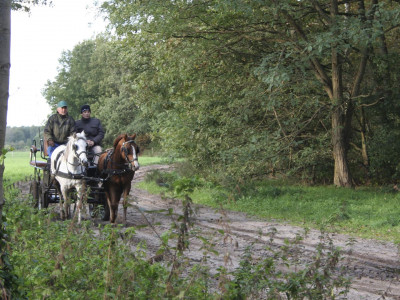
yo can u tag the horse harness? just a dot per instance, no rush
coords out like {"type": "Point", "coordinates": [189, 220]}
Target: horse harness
{"type": "Point", "coordinates": [127, 166]}
{"type": "Point", "coordinates": [68, 175]}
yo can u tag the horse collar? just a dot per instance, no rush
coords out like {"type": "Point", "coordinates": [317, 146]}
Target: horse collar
{"type": "Point", "coordinates": [68, 175]}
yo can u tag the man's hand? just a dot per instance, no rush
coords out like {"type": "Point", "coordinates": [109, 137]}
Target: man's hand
{"type": "Point", "coordinates": [90, 143]}
{"type": "Point", "coordinates": [50, 143]}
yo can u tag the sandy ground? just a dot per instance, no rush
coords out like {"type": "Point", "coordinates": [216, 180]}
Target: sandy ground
{"type": "Point", "coordinates": [374, 266]}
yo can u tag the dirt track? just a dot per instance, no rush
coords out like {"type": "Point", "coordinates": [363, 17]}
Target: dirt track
{"type": "Point", "coordinates": [373, 265]}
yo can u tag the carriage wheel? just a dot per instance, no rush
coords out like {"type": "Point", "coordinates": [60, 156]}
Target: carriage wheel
{"type": "Point", "coordinates": [34, 191]}
{"type": "Point", "coordinates": [100, 207]}
{"type": "Point", "coordinates": [95, 210]}
{"type": "Point", "coordinates": [92, 210]}
{"type": "Point", "coordinates": [99, 210]}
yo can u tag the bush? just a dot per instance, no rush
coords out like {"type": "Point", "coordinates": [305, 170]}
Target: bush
{"type": "Point", "coordinates": [62, 260]}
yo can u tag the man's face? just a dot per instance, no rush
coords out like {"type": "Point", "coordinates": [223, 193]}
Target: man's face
{"type": "Point", "coordinates": [86, 114]}
{"type": "Point", "coordinates": [62, 110]}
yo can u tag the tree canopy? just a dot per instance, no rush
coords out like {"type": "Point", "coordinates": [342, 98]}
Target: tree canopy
{"type": "Point", "coordinates": [245, 89]}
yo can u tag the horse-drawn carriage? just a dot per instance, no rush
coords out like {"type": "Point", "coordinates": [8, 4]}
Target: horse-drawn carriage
{"type": "Point", "coordinates": [102, 184]}
{"type": "Point", "coordinates": [44, 189]}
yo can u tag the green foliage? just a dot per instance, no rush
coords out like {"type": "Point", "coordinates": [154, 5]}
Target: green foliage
{"type": "Point", "coordinates": [232, 86]}
{"type": "Point", "coordinates": [26, 5]}
{"type": "Point", "coordinates": [96, 72]}
{"type": "Point", "coordinates": [10, 282]}
{"type": "Point", "coordinates": [21, 138]}
{"type": "Point", "coordinates": [229, 84]}
{"type": "Point", "coordinates": [164, 179]}
{"type": "Point", "coordinates": [260, 278]}
{"type": "Point", "coordinates": [3, 154]}
{"type": "Point", "coordinates": [59, 260]}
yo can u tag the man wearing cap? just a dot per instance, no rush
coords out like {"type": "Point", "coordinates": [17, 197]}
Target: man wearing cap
{"type": "Point", "coordinates": [58, 128]}
{"type": "Point", "coordinates": [93, 130]}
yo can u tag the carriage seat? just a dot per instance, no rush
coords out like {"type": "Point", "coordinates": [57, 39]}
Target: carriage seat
{"type": "Point", "coordinates": [39, 163]}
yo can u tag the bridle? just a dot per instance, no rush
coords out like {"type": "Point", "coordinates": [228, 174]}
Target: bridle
{"type": "Point", "coordinates": [75, 149]}
{"type": "Point", "coordinates": [124, 149]}
{"type": "Point", "coordinates": [70, 175]}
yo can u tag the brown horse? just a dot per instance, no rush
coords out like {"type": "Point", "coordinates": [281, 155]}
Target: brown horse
{"type": "Point", "coordinates": [118, 165]}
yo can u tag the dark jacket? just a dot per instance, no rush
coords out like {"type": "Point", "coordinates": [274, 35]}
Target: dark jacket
{"type": "Point", "coordinates": [58, 128]}
{"type": "Point", "coordinates": [93, 129]}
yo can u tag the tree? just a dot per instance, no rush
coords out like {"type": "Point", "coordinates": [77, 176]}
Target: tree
{"type": "Point", "coordinates": [97, 72]}
{"type": "Point", "coordinates": [5, 36]}
{"type": "Point", "coordinates": [270, 56]}
{"type": "Point", "coordinates": [5, 64]}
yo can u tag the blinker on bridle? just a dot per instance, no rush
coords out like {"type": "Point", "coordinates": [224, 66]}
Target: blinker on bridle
{"type": "Point", "coordinates": [126, 151]}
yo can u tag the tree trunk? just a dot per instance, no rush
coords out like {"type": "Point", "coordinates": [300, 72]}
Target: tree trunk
{"type": "Point", "coordinates": [364, 149]}
{"type": "Point", "coordinates": [5, 34]}
{"type": "Point", "coordinates": [341, 176]}
{"type": "Point", "coordinates": [341, 172]}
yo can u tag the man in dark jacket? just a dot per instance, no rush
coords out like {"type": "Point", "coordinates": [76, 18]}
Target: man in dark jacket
{"type": "Point", "coordinates": [58, 128]}
{"type": "Point", "coordinates": [93, 130]}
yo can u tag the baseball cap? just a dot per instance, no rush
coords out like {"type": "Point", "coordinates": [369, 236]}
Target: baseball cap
{"type": "Point", "coordinates": [62, 104]}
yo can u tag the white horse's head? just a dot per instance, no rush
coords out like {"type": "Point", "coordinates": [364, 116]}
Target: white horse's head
{"type": "Point", "coordinates": [76, 146]}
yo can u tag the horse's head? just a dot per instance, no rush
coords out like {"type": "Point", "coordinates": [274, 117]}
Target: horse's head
{"type": "Point", "coordinates": [129, 150]}
{"type": "Point", "coordinates": [78, 146]}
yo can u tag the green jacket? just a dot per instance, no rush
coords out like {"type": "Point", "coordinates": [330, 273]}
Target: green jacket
{"type": "Point", "coordinates": [59, 128]}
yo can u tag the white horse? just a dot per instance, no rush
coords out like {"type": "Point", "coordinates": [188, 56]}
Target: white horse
{"type": "Point", "coordinates": [68, 165]}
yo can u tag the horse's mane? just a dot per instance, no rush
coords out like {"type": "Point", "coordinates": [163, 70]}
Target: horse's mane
{"type": "Point", "coordinates": [124, 136]}
{"type": "Point", "coordinates": [120, 137]}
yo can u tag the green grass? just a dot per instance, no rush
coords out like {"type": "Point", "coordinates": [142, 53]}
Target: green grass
{"type": "Point", "coordinates": [363, 212]}
{"type": "Point", "coordinates": [17, 167]}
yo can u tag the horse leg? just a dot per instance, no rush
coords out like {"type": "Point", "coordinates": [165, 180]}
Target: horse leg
{"type": "Point", "coordinates": [125, 205]}
{"type": "Point", "coordinates": [80, 190]}
{"type": "Point", "coordinates": [113, 203]}
{"type": "Point", "coordinates": [62, 213]}
{"type": "Point", "coordinates": [63, 204]}
{"type": "Point", "coordinates": [114, 210]}
{"type": "Point", "coordinates": [127, 189]}
{"type": "Point", "coordinates": [67, 206]}
{"type": "Point", "coordinates": [113, 215]}
{"type": "Point", "coordinates": [60, 192]}
{"type": "Point", "coordinates": [108, 197]}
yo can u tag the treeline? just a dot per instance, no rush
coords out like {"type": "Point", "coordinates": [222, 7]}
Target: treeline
{"type": "Point", "coordinates": [247, 89]}
{"type": "Point", "coordinates": [20, 138]}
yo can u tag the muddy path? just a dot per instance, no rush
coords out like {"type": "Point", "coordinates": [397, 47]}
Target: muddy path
{"type": "Point", "coordinates": [373, 265]}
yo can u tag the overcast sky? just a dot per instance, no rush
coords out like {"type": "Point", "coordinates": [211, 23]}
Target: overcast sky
{"type": "Point", "coordinates": [37, 41]}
